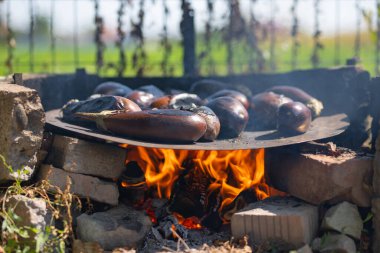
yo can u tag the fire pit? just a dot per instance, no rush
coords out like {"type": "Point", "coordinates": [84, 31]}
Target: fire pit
{"type": "Point", "coordinates": [191, 192]}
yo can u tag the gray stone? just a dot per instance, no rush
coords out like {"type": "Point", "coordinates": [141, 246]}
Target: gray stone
{"type": "Point", "coordinates": [83, 157]}
{"type": "Point", "coordinates": [318, 178]}
{"type": "Point", "coordinates": [284, 219]}
{"type": "Point", "coordinates": [333, 243]}
{"type": "Point", "coordinates": [33, 213]}
{"type": "Point", "coordinates": [344, 218]}
{"type": "Point", "coordinates": [121, 226]}
{"type": "Point", "coordinates": [21, 128]}
{"type": "Point", "coordinates": [81, 185]}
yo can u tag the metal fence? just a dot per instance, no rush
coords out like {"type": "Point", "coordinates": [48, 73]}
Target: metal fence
{"type": "Point", "coordinates": [184, 37]}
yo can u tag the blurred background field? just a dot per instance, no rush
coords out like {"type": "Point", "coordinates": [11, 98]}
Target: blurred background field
{"type": "Point", "coordinates": [62, 35]}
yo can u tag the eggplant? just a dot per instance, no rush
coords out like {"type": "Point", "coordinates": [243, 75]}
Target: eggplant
{"type": "Point", "coordinates": [142, 98]}
{"type": "Point", "coordinates": [112, 88]}
{"type": "Point", "coordinates": [299, 95]}
{"type": "Point", "coordinates": [162, 125]}
{"type": "Point", "coordinates": [263, 110]}
{"type": "Point", "coordinates": [206, 87]}
{"type": "Point", "coordinates": [212, 121]}
{"type": "Point", "coordinates": [294, 118]}
{"type": "Point", "coordinates": [152, 89]}
{"type": "Point", "coordinates": [232, 115]}
{"type": "Point", "coordinates": [96, 105]}
{"type": "Point", "coordinates": [183, 100]}
{"type": "Point", "coordinates": [161, 102]}
{"type": "Point", "coordinates": [231, 93]}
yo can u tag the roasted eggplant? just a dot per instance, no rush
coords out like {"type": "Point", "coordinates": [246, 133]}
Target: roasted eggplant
{"type": "Point", "coordinates": [166, 125]}
{"type": "Point", "coordinates": [152, 89]}
{"type": "Point", "coordinates": [206, 87]}
{"type": "Point", "coordinates": [161, 102]}
{"type": "Point", "coordinates": [231, 93]}
{"type": "Point", "coordinates": [299, 95]}
{"type": "Point", "coordinates": [232, 115]}
{"type": "Point", "coordinates": [96, 105]}
{"type": "Point", "coordinates": [142, 98]}
{"type": "Point", "coordinates": [183, 100]}
{"type": "Point", "coordinates": [293, 118]}
{"type": "Point", "coordinates": [212, 121]}
{"type": "Point", "coordinates": [263, 110]}
{"type": "Point", "coordinates": [112, 88]}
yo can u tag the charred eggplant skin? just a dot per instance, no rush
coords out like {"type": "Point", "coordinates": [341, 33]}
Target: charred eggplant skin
{"type": "Point", "coordinates": [183, 100]}
{"type": "Point", "coordinates": [207, 87]}
{"type": "Point", "coordinates": [231, 93]}
{"type": "Point", "coordinates": [112, 88]}
{"type": "Point", "coordinates": [232, 115]}
{"type": "Point", "coordinates": [212, 121]}
{"type": "Point", "coordinates": [294, 118]}
{"type": "Point", "coordinates": [299, 95]}
{"type": "Point", "coordinates": [152, 89]}
{"type": "Point", "coordinates": [142, 98]}
{"type": "Point", "coordinates": [263, 110]}
{"type": "Point", "coordinates": [96, 105]}
{"type": "Point", "coordinates": [162, 125]}
{"type": "Point", "coordinates": [161, 102]}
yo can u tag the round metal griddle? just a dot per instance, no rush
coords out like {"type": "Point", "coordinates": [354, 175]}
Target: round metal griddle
{"type": "Point", "coordinates": [322, 127]}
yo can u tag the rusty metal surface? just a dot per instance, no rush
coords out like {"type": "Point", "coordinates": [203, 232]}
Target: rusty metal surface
{"type": "Point", "coordinates": [322, 127]}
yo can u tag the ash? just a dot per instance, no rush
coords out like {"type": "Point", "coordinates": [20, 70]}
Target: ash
{"type": "Point", "coordinates": [161, 238]}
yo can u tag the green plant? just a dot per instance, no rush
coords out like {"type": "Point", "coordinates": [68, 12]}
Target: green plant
{"type": "Point", "coordinates": [16, 238]}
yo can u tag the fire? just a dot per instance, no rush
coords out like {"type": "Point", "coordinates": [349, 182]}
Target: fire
{"type": "Point", "coordinates": [190, 223]}
{"type": "Point", "coordinates": [229, 172]}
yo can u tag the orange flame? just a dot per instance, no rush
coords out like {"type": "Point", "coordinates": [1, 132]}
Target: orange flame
{"type": "Point", "coordinates": [190, 223]}
{"type": "Point", "coordinates": [231, 172]}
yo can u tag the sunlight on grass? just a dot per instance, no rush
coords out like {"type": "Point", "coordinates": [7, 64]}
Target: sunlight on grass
{"type": "Point", "coordinates": [283, 56]}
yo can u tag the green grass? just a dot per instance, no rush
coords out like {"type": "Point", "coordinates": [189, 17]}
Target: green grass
{"type": "Point", "coordinates": [283, 52]}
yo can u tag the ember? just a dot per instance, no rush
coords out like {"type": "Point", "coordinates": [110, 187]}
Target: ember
{"type": "Point", "coordinates": [222, 175]}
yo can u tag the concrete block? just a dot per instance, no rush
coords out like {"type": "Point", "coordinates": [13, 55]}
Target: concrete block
{"type": "Point", "coordinates": [277, 218]}
{"type": "Point", "coordinates": [318, 178]}
{"type": "Point", "coordinates": [83, 157]}
{"type": "Point", "coordinates": [82, 185]}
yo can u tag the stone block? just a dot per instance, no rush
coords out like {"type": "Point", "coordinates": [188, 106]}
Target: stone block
{"type": "Point", "coordinates": [83, 157]}
{"type": "Point", "coordinates": [333, 243]}
{"type": "Point", "coordinates": [284, 219]}
{"type": "Point", "coordinates": [319, 178]}
{"type": "Point", "coordinates": [21, 129]}
{"type": "Point", "coordinates": [81, 185]}
{"type": "Point", "coordinates": [121, 226]}
{"type": "Point", "coordinates": [344, 218]}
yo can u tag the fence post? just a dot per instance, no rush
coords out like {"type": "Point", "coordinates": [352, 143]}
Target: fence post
{"type": "Point", "coordinates": [188, 37]}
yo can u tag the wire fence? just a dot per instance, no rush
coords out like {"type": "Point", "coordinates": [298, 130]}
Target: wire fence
{"type": "Point", "coordinates": [184, 37]}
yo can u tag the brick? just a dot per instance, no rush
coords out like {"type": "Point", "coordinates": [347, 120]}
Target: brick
{"type": "Point", "coordinates": [284, 219]}
{"type": "Point", "coordinates": [319, 178]}
{"type": "Point", "coordinates": [83, 157]}
{"type": "Point", "coordinates": [21, 129]}
{"type": "Point", "coordinates": [82, 185]}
